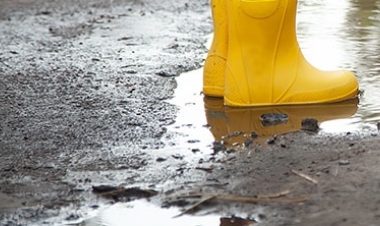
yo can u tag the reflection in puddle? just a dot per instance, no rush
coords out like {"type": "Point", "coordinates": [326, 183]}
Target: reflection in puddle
{"type": "Point", "coordinates": [224, 120]}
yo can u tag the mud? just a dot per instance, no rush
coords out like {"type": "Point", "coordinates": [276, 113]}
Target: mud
{"type": "Point", "coordinates": [85, 89]}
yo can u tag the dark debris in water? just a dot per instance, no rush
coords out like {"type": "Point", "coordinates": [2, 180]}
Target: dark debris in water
{"type": "Point", "coordinates": [234, 134]}
{"type": "Point", "coordinates": [122, 194]}
{"type": "Point", "coordinates": [248, 141]}
{"type": "Point", "coordinates": [161, 159]}
{"type": "Point", "coordinates": [166, 74]}
{"type": "Point", "coordinates": [310, 124]}
{"type": "Point", "coordinates": [218, 146]}
{"type": "Point", "coordinates": [272, 140]}
{"type": "Point", "coordinates": [230, 221]}
{"type": "Point", "coordinates": [254, 135]}
{"type": "Point", "coordinates": [272, 119]}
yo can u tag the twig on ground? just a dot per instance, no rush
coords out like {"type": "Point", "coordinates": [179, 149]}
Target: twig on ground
{"type": "Point", "coordinates": [237, 198]}
{"type": "Point", "coordinates": [306, 177]}
{"type": "Point", "coordinates": [192, 207]}
{"type": "Point", "coordinates": [275, 195]}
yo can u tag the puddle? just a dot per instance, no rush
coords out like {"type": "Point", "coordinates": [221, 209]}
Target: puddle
{"type": "Point", "coordinates": [330, 39]}
{"type": "Point", "coordinates": [191, 120]}
{"type": "Point", "coordinates": [341, 34]}
{"type": "Point", "coordinates": [233, 125]}
{"type": "Point", "coordinates": [141, 212]}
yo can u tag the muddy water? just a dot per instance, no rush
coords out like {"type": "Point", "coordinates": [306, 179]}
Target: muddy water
{"type": "Point", "coordinates": [332, 34]}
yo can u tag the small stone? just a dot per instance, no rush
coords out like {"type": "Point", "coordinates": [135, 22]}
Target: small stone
{"type": "Point", "coordinates": [310, 124]}
{"type": "Point", "coordinates": [230, 151]}
{"type": "Point", "coordinates": [193, 141]}
{"type": "Point", "coordinates": [103, 188]}
{"type": "Point", "coordinates": [254, 135]}
{"type": "Point", "coordinates": [234, 134]}
{"type": "Point", "coordinates": [262, 216]}
{"type": "Point", "coordinates": [218, 146]}
{"type": "Point", "coordinates": [195, 150]}
{"type": "Point", "coordinates": [49, 165]}
{"type": "Point", "coordinates": [177, 156]}
{"type": "Point", "coordinates": [247, 142]}
{"type": "Point", "coordinates": [160, 159]}
{"type": "Point", "coordinates": [272, 119]}
{"type": "Point", "coordinates": [94, 206]}
{"type": "Point", "coordinates": [271, 140]}
{"type": "Point", "coordinates": [72, 217]}
{"type": "Point", "coordinates": [344, 162]}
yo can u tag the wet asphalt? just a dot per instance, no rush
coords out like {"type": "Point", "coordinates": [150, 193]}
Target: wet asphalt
{"type": "Point", "coordinates": [83, 89]}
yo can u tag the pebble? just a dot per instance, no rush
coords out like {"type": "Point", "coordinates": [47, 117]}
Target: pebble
{"type": "Point", "coordinates": [310, 124]}
{"type": "Point", "coordinates": [273, 119]}
{"type": "Point", "coordinates": [160, 159]}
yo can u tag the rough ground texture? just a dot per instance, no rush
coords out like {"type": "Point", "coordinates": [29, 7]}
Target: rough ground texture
{"type": "Point", "coordinates": [83, 86]}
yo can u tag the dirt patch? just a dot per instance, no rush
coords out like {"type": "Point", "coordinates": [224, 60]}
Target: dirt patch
{"type": "Point", "coordinates": [81, 92]}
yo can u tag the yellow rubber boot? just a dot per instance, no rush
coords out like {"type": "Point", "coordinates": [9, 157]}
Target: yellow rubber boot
{"type": "Point", "coordinates": [215, 64]}
{"type": "Point", "coordinates": [265, 65]}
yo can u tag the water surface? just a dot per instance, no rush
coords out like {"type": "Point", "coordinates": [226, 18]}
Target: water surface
{"type": "Point", "coordinates": [337, 34]}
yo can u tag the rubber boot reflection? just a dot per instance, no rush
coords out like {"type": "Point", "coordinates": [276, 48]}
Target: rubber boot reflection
{"type": "Point", "coordinates": [235, 125]}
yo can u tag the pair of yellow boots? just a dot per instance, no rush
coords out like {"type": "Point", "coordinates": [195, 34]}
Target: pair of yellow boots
{"type": "Point", "coordinates": [255, 59]}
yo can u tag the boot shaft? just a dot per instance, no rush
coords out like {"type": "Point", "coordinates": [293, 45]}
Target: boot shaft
{"type": "Point", "coordinates": [265, 65]}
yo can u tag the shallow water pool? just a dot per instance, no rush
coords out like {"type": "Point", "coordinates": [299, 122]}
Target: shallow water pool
{"type": "Point", "coordinates": [332, 35]}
